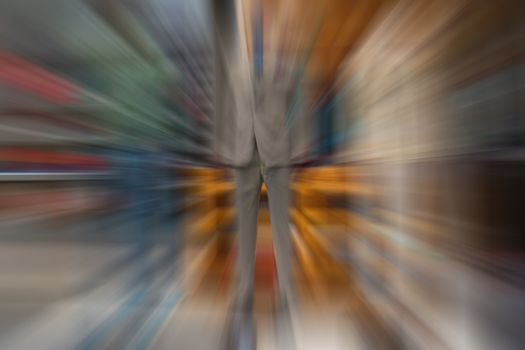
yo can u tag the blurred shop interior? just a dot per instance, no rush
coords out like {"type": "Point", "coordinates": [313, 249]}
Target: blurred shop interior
{"type": "Point", "coordinates": [117, 223]}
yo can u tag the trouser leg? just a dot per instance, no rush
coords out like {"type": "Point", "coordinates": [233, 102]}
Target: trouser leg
{"type": "Point", "coordinates": [248, 188]}
{"type": "Point", "coordinates": [277, 182]}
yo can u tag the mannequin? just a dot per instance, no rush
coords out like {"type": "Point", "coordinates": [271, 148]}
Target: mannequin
{"type": "Point", "coordinates": [252, 136]}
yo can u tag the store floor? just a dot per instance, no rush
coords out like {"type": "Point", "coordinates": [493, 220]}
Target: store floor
{"type": "Point", "coordinates": [59, 290]}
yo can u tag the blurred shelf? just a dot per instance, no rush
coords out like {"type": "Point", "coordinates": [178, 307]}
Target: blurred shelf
{"type": "Point", "coordinates": [54, 176]}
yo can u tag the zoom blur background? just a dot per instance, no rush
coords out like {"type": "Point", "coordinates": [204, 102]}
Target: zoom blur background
{"type": "Point", "coordinates": [117, 229]}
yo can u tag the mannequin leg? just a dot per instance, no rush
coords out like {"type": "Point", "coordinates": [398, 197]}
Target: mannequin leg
{"type": "Point", "coordinates": [277, 182]}
{"type": "Point", "coordinates": [248, 189]}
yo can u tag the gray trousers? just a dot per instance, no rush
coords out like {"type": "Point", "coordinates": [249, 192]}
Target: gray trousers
{"type": "Point", "coordinates": [249, 180]}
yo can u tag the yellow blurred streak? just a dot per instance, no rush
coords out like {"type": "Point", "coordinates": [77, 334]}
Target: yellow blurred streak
{"type": "Point", "coordinates": [315, 242]}
{"type": "Point", "coordinates": [328, 188]}
{"type": "Point", "coordinates": [213, 189]}
{"type": "Point", "coordinates": [307, 263]}
{"type": "Point", "coordinates": [326, 215]}
{"type": "Point", "coordinates": [318, 245]}
{"type": "Point", "coordinates": [213, 220]}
